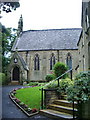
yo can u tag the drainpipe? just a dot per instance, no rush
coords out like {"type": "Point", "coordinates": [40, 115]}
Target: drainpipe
{"type": "Point", "coordinates": [27, 62]}
{"type": "Point", "coordinates": [58, 54]}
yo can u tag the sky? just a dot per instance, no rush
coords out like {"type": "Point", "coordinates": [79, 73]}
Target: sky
{"type": "Point", "coordinates": [45, 14]}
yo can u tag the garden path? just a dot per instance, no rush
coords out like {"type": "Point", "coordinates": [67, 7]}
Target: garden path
{"type": "Point", "coordinates": [11, 112]}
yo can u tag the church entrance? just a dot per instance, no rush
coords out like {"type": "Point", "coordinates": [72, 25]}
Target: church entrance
{"type": "Point", "coordinates": [16, 74]}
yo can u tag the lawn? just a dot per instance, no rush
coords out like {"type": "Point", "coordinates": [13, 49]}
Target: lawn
{"type": "Point", "coordinates": [30, 96]}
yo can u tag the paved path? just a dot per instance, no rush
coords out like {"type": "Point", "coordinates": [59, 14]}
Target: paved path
{"type": "Point", "coordinates": [11, 112]}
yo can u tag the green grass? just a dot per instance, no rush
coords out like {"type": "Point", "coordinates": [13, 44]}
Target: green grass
{"type": "Point", "coordinates": [30, 96]}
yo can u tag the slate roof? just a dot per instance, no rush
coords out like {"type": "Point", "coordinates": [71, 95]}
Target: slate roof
{"type": "Point", "coordinates": [53, 39]}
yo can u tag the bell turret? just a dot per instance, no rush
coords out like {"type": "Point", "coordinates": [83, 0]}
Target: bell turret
{"type": "Point", "coordinates": [20, 26]}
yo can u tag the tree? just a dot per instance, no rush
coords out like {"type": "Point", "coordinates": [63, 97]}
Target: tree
{"type": "Point", "coordinates": [8, 37]}
{"type": "Point", "coordinates": [9, 6]}
{"type": "Point", "coordinates": [59, 69]}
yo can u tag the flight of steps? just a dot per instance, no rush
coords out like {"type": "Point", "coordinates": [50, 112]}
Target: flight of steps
{"type": "Point", "coordinates": [60, 109]}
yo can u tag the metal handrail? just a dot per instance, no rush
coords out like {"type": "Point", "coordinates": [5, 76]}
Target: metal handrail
{"type": "Point", "coordinates": [58, 78]}
{"type": "Point", "coordinates": [42, 89]}
{"type": "Point", "coordinates": [58, 86]}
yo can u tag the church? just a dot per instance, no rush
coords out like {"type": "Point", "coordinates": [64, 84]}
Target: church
{"type": "Point", "coordinates": [35, 52]}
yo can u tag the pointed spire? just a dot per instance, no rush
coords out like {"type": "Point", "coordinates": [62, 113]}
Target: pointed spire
{"type": "Point", "coordinates": [20, 25]}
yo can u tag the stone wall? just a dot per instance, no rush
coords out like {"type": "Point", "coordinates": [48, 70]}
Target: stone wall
{"type": "Point", "coordinates": [44, 56]}
{"type": "Point", "coordinates": [84, 42]}
{"type": "Point", "coordinates": [50, 95]}
{"type": "Point", "coordinates": [83, 52]}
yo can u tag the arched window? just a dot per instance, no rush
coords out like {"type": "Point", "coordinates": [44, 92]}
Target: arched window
{"type": "Point", "coordinates": [89, 55]}
{"type": "Point", "coordinates": [52, 61]}
{"type": "Point", "coordinates": [69, 61]}
{"type": "Point", "coordinates": [36, 62]}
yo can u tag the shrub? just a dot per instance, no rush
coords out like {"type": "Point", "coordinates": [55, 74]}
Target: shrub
{"type": "Point", "coordinates": [27, 81]}
{"type": "Point", "coordinates": [59, 69]}
{"type": "Point", "coordinates": [3, 80]}
{"type": "Point", "coordinates": [81, 88]}
{"type": "Point", "coordinates": [21, 103]}
{"type": "Point", "coordinates": [53, 84]}
{"type": "Point", "coordinates": [41, 84]}
{"type": "Point", "coordinates": [29, 109]}
{"type": "Point", "coordinates": [33, 84]}
{"type": "Point", "coordinates": [49, 77]}
{"type": "Point", "coordinates": [64, 84]}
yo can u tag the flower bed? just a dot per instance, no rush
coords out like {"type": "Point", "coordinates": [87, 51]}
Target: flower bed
{"type": "Point", "coordinates": [27, 110]}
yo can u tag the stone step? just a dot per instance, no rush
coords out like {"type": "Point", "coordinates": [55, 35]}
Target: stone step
{"type": "Point", "coordinates": [65, 103]}
{"type": "Point", "coordinates": [64, 97]}
{"type": "Point", "coordinates": [60, 108]}
{"type": "Point", "coordinates": [56, 114]}
{"type": "Point", "coordinates": [14, 83]}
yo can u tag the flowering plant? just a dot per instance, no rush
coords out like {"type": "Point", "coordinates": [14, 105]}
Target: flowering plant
{"type": "Point", "coordinates": [18, 101]}
{"type": "Point", "coordinates": [34, 110]}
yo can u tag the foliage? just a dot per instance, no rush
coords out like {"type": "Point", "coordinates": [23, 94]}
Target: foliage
{"type": "Point", "coordinates": [81, 88]}
{"type": "Point", "coordinates": [29, 109]}
{"type": "Point", "coordinates": [26, 80]}
{"type": "Point", "coordinates": [49, 77]}
{"type": "Point", "coordinates": [3, 80]}
{"type": "Point", "coordinates": [59, 69]}
{"type": "Point", "coordinates": [8, 37]}
{"type": "Point", "coordinates": [33, 84]}
{"type": "Point", "coordinates": [30, 96]}
{"type": "Point", "coordinates": [64, 84]}
{"type": "Point", "coordinates": [9, 6]}
{"type": "Point", "coordinates": [42, 84]}
{"type": "Point", "coordinates": [21, 103]}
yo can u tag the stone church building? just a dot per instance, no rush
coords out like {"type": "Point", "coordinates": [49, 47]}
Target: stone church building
{"type": "Point", "coordinates": [84, 41]}
{"type": "Point", "coordinates": [35, 52]}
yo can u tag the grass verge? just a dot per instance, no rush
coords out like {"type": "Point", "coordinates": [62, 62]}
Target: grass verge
{"type": "Point", "coordinates": [30, 96]}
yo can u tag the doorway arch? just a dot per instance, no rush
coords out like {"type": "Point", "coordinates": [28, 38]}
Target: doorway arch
{"type": "Point", "coordinates": [16, 74]}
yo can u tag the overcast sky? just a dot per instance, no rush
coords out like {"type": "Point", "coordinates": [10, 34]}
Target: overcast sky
{"type": "Point", "coordinates": [45, 14]}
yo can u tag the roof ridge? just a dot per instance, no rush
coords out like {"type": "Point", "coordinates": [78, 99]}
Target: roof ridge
{"type": "Point", "coordinates": [53, 29]}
